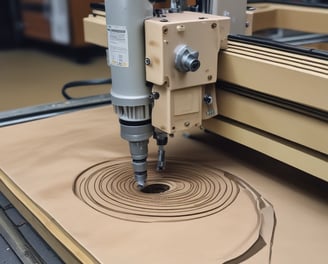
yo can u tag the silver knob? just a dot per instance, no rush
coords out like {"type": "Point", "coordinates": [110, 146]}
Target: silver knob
{"type": "Point", "coordinates": [186, 59]}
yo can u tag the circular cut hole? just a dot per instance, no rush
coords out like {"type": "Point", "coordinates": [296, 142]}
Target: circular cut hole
{"type": "Point", "coordinates": [155, 188]}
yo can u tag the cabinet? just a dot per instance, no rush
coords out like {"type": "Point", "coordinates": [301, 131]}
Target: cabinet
{"type": "Point", "coordinates": [58, 21]}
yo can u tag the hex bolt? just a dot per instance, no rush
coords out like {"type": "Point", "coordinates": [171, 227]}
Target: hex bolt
{"type": "Point", "coordinates": [208, 99]}
{"type": "Point", "coordinates": [154, 96]}
{"type": "Point", "coordinates": [147, 61]}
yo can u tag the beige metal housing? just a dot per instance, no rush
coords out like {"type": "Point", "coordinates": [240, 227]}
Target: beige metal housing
{"type": "Point", "coordinates": [292, 137]}
{"type": "Point", "coordinates": [180, 103]}
{"type": "Point", "coordinates": [94, 25]}
{"type": "Point", "coordinates": [95, 29]}
{"type": "Point", "coordinates": [300, 18]}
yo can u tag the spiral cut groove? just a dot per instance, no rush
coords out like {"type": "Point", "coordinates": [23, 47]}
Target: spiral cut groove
{"type": "Point", "coordinates": [190, 191]}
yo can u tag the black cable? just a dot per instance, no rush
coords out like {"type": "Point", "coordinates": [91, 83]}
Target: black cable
{"type": "Point", "coordinates": [82, 83]}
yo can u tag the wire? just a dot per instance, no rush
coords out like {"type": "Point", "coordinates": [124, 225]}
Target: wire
{"type": "Point", "coordinates": [82, 83]}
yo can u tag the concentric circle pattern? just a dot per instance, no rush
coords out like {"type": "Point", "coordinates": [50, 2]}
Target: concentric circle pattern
{"type": "Point", "coordinates": [193, 191]}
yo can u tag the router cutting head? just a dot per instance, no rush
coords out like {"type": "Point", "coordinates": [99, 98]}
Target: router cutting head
{"type": "Point", "coordinates": [130, 94]}
{"type": "Point", "coordinates": [138, 135]}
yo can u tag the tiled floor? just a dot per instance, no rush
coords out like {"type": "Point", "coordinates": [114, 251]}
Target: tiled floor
{"type": "Point", "coordinates": [19, 243]}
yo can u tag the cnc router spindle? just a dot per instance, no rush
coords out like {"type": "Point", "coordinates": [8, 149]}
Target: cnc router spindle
{"type": "Point", "coordinates": [130, 95]}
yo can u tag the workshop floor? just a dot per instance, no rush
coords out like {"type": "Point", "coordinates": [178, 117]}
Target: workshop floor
{"type": "Point", "coordinates": [34, 76]}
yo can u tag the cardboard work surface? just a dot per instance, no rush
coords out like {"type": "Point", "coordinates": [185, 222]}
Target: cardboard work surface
{"type": "Point", "coordinates": [76, 169]}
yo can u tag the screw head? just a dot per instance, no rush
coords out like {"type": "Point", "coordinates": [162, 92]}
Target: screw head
{"type": "Point", "coordinates": [214, 25]}
{"type": "Point", "coordinates": [251, 8]}
{"type": "Point", "coordinates": [181, 28]}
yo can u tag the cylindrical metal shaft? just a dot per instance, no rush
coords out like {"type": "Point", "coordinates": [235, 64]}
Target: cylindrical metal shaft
{"type": "Point", "coordinates": [130, 95]}
{"type": "Point", "coordinates": [125, 23]}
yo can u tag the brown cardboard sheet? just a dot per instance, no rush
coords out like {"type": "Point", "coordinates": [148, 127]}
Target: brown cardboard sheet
{"type": "Point", "coordinates": [75, 170]}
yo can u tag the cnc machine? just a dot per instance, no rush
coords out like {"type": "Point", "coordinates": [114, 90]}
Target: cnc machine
{"type": "Point", "coordinates": [173, 70]}
{"type": "Point", "coordinates": [254, 72]}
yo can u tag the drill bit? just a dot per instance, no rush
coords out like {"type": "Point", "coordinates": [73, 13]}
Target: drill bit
{"type": "Point", "coordinates": [161, 139]}
{"type": "Point", "coordinates": [161, 158]}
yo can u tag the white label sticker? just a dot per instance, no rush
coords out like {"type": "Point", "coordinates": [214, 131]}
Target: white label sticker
{"type": "Point", "coordinates": [118, 46]}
